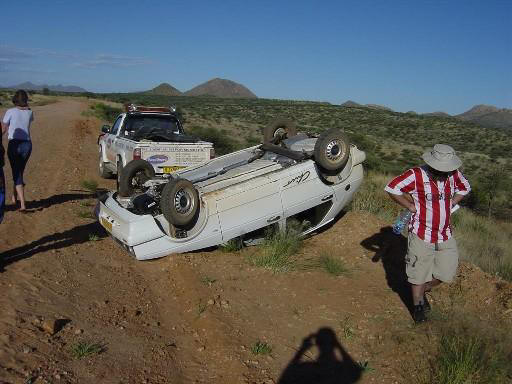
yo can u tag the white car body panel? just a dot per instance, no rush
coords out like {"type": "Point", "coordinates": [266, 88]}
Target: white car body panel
{"type": "Point", "coordinates": [243, 199]}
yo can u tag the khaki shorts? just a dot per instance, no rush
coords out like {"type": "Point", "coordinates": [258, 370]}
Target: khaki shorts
{"type": "Point", "coordinates": [427, 260]}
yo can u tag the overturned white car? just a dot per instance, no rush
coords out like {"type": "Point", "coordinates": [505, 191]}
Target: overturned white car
{"type": "Point", "coordinates": [289, 177]}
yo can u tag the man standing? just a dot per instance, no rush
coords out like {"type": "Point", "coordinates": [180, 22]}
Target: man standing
{"type": "Point", "coordinates": [429, 192]}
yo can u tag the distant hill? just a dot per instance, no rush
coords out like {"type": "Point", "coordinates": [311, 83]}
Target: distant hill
{"type": "Point", "coordinates": [376, 106]}
{"type": "Point", "coordinates": [437, 114]}
{"type": "Point", "coordinates": [57, 88]}
{"type": "Point", "coordinates": [221, 88]}
{"type": "Point", "coordinates": [353, 104]}
{"type": "Point", "coordinates": [488, 116]}
{"type": "Point", "coordinates": [350, 104]}
{"type": "Point", "coordinates": [165, 89]}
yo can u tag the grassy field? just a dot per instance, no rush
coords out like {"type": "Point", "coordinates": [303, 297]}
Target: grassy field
{"type": "Point", "coordinates": [393, 141]}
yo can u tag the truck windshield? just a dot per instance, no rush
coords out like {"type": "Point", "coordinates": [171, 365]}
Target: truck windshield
{"type": "Point", "coordinates": [142, 125]}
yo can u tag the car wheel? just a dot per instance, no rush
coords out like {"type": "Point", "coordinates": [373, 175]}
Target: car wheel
{"type": "Point", "coordinates": [180, 203]}
{"type": "Point", "coordinates": [133, 176]}
{"type": "Point", "coordinates": [278, 130]}
{"type": "Point", "coordinates": [332, 150]}
{"type": "Point", "coordinates": [103, 171]}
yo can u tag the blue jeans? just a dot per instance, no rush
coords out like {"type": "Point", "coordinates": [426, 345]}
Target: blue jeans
{"type": "Point", "coordinates": [2, 194]}
{"type": "Point", "coordinates": [18, 152]}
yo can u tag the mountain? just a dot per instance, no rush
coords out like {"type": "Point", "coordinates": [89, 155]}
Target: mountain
{"type": "Point", "coordinates": [437, 114]}
{"type": "Point", "coordinates": [221, 88]}
{"type": "Point", "coordinates": [353, 104]}
{"type": "Point", "coordinates": [488, 116]}
{"type": "Point", "coordinates": [350, 104]}
{"type": "Point", "coordinates": [57, 88]}
{"type": "Point", "coordinates": [376, 106]}
{"type": "Point", "coordinates": [165, 89]}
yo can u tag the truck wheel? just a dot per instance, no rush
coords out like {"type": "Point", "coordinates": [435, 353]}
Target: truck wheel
{"type": "Point", "coordinates": [278, 130]}
{"type": "Point", "coordinates": [180, 203]}
{"type": "Point", "coordinates": [332, 150]}
{"type": "Point", "coordinates": [103, 171]}
{"type": "Point", "coordinates": [133, 176]}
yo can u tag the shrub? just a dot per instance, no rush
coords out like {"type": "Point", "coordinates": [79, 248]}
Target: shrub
{"type": "Point", "coordinates": [278, 250]}
{"type": "Point", "coordinates": [84, 349]}
{"type": "Point", "coordinates": [105, 112]}
{"type": "Point", "coordinates": [222, 142]}
{"type": "Point", "coordinates": [90, 185]}
{"type": "Point", "coordinates": [261, 348]}
{"type": "Point", "coordinates": [333, 266]}
{"type": "Point", "coordinates": [471, 351]}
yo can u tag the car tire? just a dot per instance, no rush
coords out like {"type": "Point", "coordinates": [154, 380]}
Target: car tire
{"type": "Point", "coordinates": [332, 150]}
{"type": "Point", "coordinates": [278, 130]}
{"type": "Point", "coordinates": [180, 203]}
{"type": "Point", "coordinates": [102, 170]}
{"type": "Point", "coordinates": [133, 176]}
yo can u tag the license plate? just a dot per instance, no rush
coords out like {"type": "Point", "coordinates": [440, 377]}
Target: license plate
{"type": "Point", "coordinates": [171, 169]}
{"type": "Point", "coordinates": [106, 224]}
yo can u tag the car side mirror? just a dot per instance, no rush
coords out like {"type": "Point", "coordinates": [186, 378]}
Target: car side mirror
{"type": "Point", "coordinates": [105, 128]}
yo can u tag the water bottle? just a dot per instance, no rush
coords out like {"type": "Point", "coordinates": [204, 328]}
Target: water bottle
{"type": "Point", "coordinates": [401, 221]}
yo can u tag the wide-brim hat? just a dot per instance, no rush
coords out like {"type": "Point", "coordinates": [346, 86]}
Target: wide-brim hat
{"type": "Point", "coordinates": [442, 158]}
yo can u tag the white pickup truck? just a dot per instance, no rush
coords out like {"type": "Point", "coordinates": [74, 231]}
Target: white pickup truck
{"type": "Point", "coordinates": [154, 134]}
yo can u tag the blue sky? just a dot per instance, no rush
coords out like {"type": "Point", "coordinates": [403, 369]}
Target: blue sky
{"type": "Point", "coordinates": [408, 55]}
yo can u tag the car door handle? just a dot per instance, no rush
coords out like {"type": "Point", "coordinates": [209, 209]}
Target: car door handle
{"type": "Point", "coordinates": [327, 198]}
{"type": "Point", "coordinates": [273, 219]}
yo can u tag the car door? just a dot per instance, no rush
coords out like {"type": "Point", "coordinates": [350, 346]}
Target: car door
{"type": "Point", "coordinates": [302, 189]}
{"type": "Point", "coordinates": [250, 206]}
{"type": "Point", "coordinates": [110, 141]}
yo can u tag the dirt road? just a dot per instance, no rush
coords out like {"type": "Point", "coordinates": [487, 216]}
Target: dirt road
{"type": "Point", "coordinates": [203, 317]}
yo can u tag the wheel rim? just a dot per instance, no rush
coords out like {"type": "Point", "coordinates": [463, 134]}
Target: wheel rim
{"type": "Point", "coordinates": [279, 132]}
{"type": "Point", "coordinates": [138, 180]}
{"type": "Point", "coordinates": [183, 202]}
{"type": "Point", "coordinates": [334, 151]}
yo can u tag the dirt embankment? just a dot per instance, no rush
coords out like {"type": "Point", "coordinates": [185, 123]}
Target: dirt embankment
{"type": "Point", "coordinates": [198, 317]}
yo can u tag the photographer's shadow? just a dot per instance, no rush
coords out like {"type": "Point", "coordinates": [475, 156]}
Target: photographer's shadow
{"type": "Point", "coordinates": [333, 365]}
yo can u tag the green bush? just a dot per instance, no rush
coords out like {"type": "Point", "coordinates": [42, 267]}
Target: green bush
{"type": "Point", "coordinates": [105, 112]}
{"type": "Point", "coordinates": [222, 142]}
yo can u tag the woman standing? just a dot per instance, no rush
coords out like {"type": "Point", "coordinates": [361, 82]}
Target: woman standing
{"type": "Point", "coordinates": [2, 180]}
{"type": "Point", "coordinates": [17, 122]}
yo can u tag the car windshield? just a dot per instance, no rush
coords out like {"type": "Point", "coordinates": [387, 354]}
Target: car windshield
{"type": "Point", "coordinates": [143, 125]}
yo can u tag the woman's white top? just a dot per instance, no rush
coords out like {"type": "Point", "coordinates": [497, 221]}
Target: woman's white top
{"type": "Point", "coordinates": [19, 123]}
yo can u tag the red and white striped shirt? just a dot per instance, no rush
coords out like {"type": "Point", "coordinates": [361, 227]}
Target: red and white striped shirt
{"type": "Point", "coordinates": [432, 199]}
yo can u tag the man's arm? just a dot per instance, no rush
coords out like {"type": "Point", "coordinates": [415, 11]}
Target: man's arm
{"type": "Point", "coordinates": [457, 198]}
{"type": "Point", "coordinates": [403, 201]}
{"type": "Point", "coordinates": [5, 127]}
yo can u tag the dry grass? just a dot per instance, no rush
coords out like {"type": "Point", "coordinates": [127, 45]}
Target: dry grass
{"type": "Point", "coordinates": [372, 198]}
{"type": "Point", "coordinates": [485, 242]}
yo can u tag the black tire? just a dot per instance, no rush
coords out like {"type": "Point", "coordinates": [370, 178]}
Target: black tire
{"type": "Point", "coordinates": [180, 203]}
{"type": "Point", "coordinates": [332, 150]}
{"type": "Point", "coordinates": [102, 170]}
{"type": "Point", "coordinates": [278, 130]}
{"type": "Point", "coordinates": [133, 176]}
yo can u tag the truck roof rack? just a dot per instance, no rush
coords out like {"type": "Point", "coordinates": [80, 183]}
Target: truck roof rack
{"type": "Point", "coordinates": [142, 108]}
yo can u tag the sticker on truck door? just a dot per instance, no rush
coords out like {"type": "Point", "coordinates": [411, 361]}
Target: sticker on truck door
{"type": "Point", "coordinates": [157, 159]}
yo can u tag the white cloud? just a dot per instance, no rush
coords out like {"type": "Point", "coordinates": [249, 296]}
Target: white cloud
{"type": "Point", "coordinates": [110, 60]}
